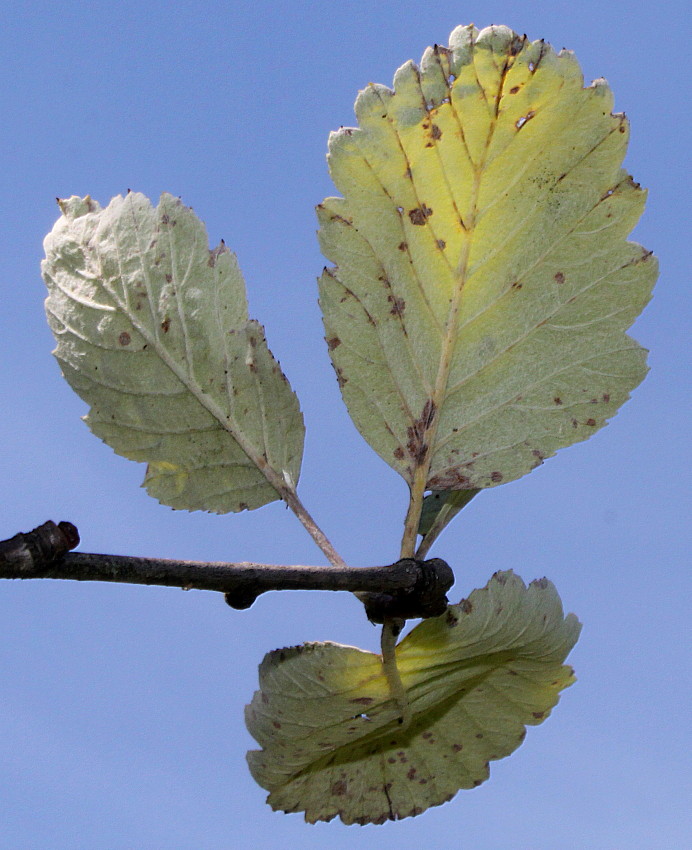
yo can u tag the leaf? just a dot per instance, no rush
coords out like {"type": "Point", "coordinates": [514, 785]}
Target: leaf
{"type": "Point", "coordinates": [153, 333]}
{"type": "Point", "coordinates": [483, 284]}
{"type": "Point", "coordinates": [440, 507]}
{"type": "Point", "coordinates": [474, 677]}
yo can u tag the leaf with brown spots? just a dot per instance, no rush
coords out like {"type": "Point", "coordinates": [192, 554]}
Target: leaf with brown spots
{"type": "Point", "coordinates": [475, 678]}
{"type": "Point", "coordinates": [485, 193]}
{"type": "Point", "coordinates": [153, 333]}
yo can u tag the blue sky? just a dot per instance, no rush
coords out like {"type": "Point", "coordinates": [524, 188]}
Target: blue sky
{"type": "Point", "coordinates": [121, 708]}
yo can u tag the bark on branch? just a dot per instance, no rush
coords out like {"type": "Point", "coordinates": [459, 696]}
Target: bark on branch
{"type": "Point", "coordinates": [410, 588]}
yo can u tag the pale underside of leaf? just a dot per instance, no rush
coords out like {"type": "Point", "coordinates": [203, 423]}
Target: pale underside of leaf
{"type": "Point", "coordinates": [483, 284]}
{"type": "Point", "coordinates": [153, 333]}
{"type": "Point", "coordinates": [475, 677]}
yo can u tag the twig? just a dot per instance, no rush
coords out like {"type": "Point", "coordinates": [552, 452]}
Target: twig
{"type": "Point", "coordinates": [416, 587]}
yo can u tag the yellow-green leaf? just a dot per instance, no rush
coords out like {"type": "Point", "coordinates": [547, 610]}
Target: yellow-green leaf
{"type": "Point", "coordinates": [483, 283]}
{"type": "Point", "coordinates": [474, 677]}
{"type": "Point", "coordinates": [153, 333]}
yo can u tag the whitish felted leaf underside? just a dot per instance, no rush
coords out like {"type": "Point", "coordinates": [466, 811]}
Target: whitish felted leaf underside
{"type": "Point", "coordinates": [153, 333]}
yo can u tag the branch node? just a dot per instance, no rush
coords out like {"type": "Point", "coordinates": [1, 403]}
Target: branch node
{"type": "Point", "coordinates": [43, 545]}
{"type": "Point", "coordinates": [241, 597]}
{"type": "Point", "coordinates": [427, 597]}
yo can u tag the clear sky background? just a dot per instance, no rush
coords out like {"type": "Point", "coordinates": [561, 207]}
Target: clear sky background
{"type": "Point", "coordinates": [121, 708]}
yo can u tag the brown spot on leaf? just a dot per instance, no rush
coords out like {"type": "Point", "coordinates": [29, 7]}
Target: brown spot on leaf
{"type": "Point", "coordinates": [574, 423]}
{"type": "Point", "coordinates": [165, 325]}
{"type": "Point", "coordinates": [496, 476]}
{"type": "Point", "coordinates": [124, 338]}
{"type": "Point", "coordinates": [276, 724]}
{"type": "Point", "coordinates": [419, 215]}
{"type": "Point", "coordinates": [539, 715]}
{"type": "Point", "coordinates": [363, 700]}
{"type": "Point", "coordinates": [516, 285]}
{"type": "Point", "coordinates": [557, 400]}
{"type": "Point", "coordinates": [169, 278]}
{"type": "Point", "coordinates": [339, 788]}
{"type": "Point", "coordinates": [403, 246]}
{"type": "Point", "coordinates": [591, 422]}
{"type": "Point", "coordinates": [451, 480]}
{"type": "Point", "coordinates": [399, 453]}
{"type": "Point", "coordinates": [165, 219]}
{"type": "Point", "coordinates": [441, 244]}
{"type": "Point", "coordinates": [457, 748]}
{"type": "Point", "coordinates": [514, 89]}
{"type": "Point", "coordinates": [451, 619]}
{"type": "Point", "coordinates": [333, 342]}
{"type": "Point", "coordinates": [435, 132]}
{"type": "Point", "coordinates": [606, 397]}
{"type": "Point", "coordinates": [411, 773]}
{"type": "Point", "coordinates": [521, 122]}
{"type": "Point", "coordinates": [398, 305]}
{"type": "Point", "coordinates": [466, 606]}
{"type": "Point", "coordinates": [559, 277]}
{"type": "Point", "coordinates": [416, 444]}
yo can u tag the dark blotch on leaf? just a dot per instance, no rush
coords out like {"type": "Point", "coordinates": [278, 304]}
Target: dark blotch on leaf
{"type": "Point", "coordinates": [398, 305]}
{"type": "Point", "coordinates": [419, 215]}
{"type": "Point", "coordinates": [124, 338]}
{"type": "Point", "coordinates": [416, 433]}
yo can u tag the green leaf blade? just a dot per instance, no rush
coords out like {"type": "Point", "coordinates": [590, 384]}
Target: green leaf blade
{"type": "Point", "coordinates": [482, 286]}
{"type": "Point", "coordinates": [475, 678]}
{"type": "Point", "coordinates": [153, 333]}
